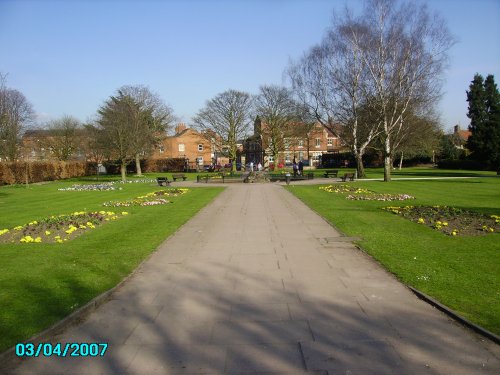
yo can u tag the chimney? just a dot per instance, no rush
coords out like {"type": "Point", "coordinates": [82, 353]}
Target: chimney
{"type": "Point", "coordinates": [456, 128]}
{"type": "Point", "coordinates": [180, 128]}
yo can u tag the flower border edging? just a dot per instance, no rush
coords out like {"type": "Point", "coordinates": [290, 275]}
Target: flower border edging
{"type": "Point", "coordinates": [455, 316]}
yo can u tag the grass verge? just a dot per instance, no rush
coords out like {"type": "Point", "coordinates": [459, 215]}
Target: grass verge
{"type": "Point", "coordinates": [42, 283]}
{"type": "Point", "coordinates": [461, 272]}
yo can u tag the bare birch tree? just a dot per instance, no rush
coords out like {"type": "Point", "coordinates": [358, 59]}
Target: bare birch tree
{"type": "Point", "coordinates": [226, 118]}
{"type": "Point", "coordinates": [331, 80]}
{"type": "Point", "coordinates": [390, 58]}
{"type": "Point", "coordinates": [405, 55]}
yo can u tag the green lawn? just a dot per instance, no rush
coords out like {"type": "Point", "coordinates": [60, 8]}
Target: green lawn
{"type": "Point", "coordinates": [413, 172]}
{"type": "Point", "coordinates": [42, 283]}
{"type": "Point", "coordinates": [461, 272]}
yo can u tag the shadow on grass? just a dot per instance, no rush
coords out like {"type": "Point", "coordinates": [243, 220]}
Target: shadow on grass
{"type": "Point", "coordinates": [438, 173]}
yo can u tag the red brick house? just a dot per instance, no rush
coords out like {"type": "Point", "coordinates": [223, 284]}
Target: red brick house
{"type": "Point", "coordinates": [301, 143]}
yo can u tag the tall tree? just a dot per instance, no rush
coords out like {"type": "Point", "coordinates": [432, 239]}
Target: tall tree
{"type": "Point", "coordinates": [278, 113]}
{"type": "Point", "coordinates": [484, 103]}
{"type": "Point", "coordinates": [477, 113]}
{"type": "Point", "coordinates": [64, 137]}
{"type": "Point", "coordinates": [152, 120]}
{"type": "Point", "coordinates": [331, 80]}
{"type": "Point", "coordinates": [382, 63]}
{"type": "Point", "coordinates": [405, 54]}
{"type": "Point", "coordinates": [94, 144]}
{"type": "Point", "coordinates": [226, 117]}
{"type": "Point", "coordinates": [118, 126]}
{"type": "Point", "coordinates": [16, 114]}
{"type": "Point", "coordinates": [493, 121]}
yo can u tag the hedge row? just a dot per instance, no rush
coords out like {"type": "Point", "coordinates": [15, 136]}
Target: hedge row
{"type": "Point", "coordinates": [148, 166]}
{"type": "Point", "coordinates": [460, 164]}
{"type": "Point", "coordinates": [39, 171]}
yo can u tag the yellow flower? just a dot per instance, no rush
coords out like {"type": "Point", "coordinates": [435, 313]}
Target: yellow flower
{"type": "Point", "coordinates": [47, 232]}
{"type": "Point", "coordinates": [19, 227]}
{"type": "Point", "coordinates": [124, 213]}
{"type": "Point", "coordinates": [38, 239]}
{"type": "Point", "coordinates": [26, 239]}
{"type": "Point", "coordinates": [3, 231]}
{"type": "Point", "coordinates": [421, 220]}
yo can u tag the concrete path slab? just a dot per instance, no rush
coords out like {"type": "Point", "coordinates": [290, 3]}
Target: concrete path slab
{"type": "Point", "coordinates": [257, 283]}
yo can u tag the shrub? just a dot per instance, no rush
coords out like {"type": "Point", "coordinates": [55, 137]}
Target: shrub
{"type": "Point", "coordinates": [459, 164]}
{"type": "Point", "coordinates": [39, 171]}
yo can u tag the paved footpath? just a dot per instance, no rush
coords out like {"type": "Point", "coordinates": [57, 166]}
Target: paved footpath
{"type": "Point", "coordinates": [257, 283]}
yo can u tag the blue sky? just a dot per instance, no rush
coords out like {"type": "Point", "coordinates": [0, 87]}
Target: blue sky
{"type": "Point", "coordinates": [67, 57]}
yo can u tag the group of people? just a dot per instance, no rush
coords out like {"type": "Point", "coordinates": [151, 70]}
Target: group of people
{"type": "Point", "coordinates": [298, 168]}
{"type": "Point", "coordinates": [259, 166]}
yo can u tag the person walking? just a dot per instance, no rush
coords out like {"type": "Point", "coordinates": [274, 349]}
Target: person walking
{"type": "Point", "coordinates": [295, 167]}
{"type": "Point", "coordinates": [301, 168]}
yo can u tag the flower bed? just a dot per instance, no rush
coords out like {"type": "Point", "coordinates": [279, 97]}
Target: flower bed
{"type": "Point", "coordinates": [57, 229]}
{"type": "Point", "coordinates": [138, 181]}
{"type": "Point", "coordinates": [379, 197]}
{"type": "Point", "coordinates": [167, 192]}
{"type": "Point", "coordinates": [449, 220]}
{"type": "Point", "coordinates": [344, 189]}
{"type": "Point", "coordinates": [358, 194]}
{"type": "Point", "coordinates": [91, 187]}
{"type": "Point", "coordinates": [150, 199]}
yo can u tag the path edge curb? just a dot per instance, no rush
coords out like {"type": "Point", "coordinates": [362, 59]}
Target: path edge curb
{"type": "Point", "coordinates": [478, 329]}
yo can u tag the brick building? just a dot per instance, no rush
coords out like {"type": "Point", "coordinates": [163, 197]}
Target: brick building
{"type": "Point", "coordinates": [189, 144]}
{"type": "Point", "coordinates": [301, 143]}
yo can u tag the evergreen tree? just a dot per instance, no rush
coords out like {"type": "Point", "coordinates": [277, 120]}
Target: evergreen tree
{"type": "Point", "coordinates": [477, 115]}
{"type": "Point", "coordinates": [492, 123]}
{"type": "Point", "coordinates": [484, 101]}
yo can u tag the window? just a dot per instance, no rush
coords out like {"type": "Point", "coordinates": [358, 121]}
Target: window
{"type": "Point", "coordinates": [301, 143]}
{"type": "Point", "coordinates": [318, 142]}
{"type": "Point", "coordinates": [329, 142]}
{"type": "Point", "coordinates": [200, 147]}
{"type": "Point", "coordinates": [182, 148]}
{"type": "Point", "coordinates": [162, 150]}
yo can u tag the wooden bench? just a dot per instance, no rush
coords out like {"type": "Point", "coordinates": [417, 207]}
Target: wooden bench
{"type": "Point", "coordinates": [175, 176]}
{"type": "Point", "coordinates": [276, 177]}
{"type": "Point", "coordinates": [234, 178]}
{"type": "Point", "coordinates": [332, 173]}
{"type": "Point", "coordinates": [346, 176]}
{"type": "Point", "coordinates": [202, 178]}
{"type": "Point", "coordinates": [163, 181]}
